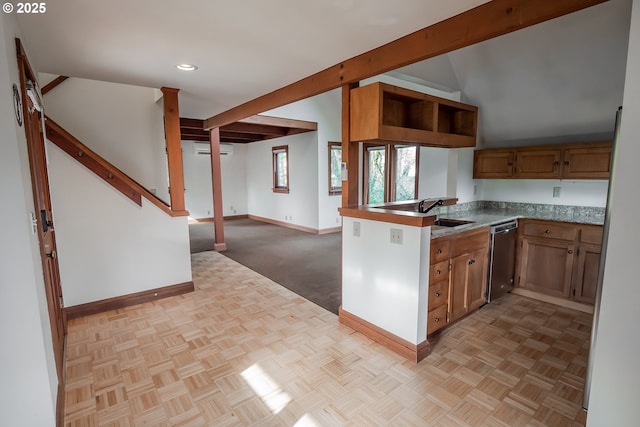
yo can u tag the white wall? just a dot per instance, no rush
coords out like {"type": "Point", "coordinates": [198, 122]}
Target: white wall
{"type": "Point", "coordinates": [300, 205]}
{"type": "Point", "coordinates": [197, 181]}
{"type": "Point", "coordinates": [432, 179]}
{"type": "Point", "coordinates": [27, 365]}
{"type": "Point", "coordinates": [108, 246]}
{"type": "Point", "coordinates": [122, 123]}
{"type": "Point", "coordinates": [385, 283]}
{"type": "Point", "coordinates": [616, 376]}
{"type": "Point", "coordinates": [574, 193]}
{"type": "Point", "coordinates": [326, 110]}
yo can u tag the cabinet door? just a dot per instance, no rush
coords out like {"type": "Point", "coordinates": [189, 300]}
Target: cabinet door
{"type": "Point", "coordinates": [468, 283]}
{"type": "Point", "coordinates": [538, 163]}
{"type": "Point", "coordinates": [493, 164]}
{"type": "Point", "coordinates": [477, 279]}
{"type": "Point", "coordinates": [458, 302]}
{"type": "Point", "coordinates": [587, 163]}
{"type": "Point", "coordinates": [546, 266]}
{"type": "Point", "coordinates": [586, 277]}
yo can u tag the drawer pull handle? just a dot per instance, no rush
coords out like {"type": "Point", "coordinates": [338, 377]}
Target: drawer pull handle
{"type": "Point", "coordinates": [439, 251]}
{"type": "Point", "coordinates": [472, 261]}
{"type": "Point", "coordinates": [437, 319]}
{"type": "Point", "coordinates": [547, 232]}
{"type": "Point", "coordinates": [437, 294]}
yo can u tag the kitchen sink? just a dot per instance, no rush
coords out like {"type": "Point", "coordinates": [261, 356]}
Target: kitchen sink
{"type": "Point", "coordinates": [447, 222]}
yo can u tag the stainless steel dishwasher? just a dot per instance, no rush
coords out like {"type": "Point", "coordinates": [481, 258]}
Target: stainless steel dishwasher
{"type": "Point", "coordinates": [502, 259]}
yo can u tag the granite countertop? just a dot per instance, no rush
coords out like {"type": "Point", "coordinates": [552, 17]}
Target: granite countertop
{"type": "Point", "coordinates": [485, 216]}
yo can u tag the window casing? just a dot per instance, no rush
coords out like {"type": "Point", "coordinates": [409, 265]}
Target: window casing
{"type": "Point", "coordinates": [280, 162]}
{"type": "Point", "coordinates": [335, 165]}
{"type": "Point", "coordinates": [390, 173]}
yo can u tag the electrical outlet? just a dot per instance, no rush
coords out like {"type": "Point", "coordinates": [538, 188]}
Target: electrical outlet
{"type": "Point", "coordinates": [396, 236]}
{"type": "Point", "coordinates": [356, 229]}
{"type": "Point", "coordinates": [209, 213]}
{"type": "Point", "coordinates": [556, 191]}
{"type": "Point", "coordinates": [337, 220]}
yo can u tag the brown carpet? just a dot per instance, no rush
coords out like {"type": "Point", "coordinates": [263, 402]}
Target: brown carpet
{"type": "Point", "coordinates": [307, 264]}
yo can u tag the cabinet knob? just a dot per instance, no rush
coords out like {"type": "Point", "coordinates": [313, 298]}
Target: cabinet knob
{"type": "Point", "coordinates": [547, 231]}
{"type": "Point", "coordinates": [438, 272]}
{"type": "Point", "coordinates": [437, 319]}
{"type": "Point", "coordinates": [556, 163]}
{"type": "Point", "coordinates": [569, 251]}
{"type": "Point", "coordinates": [566, 163]}
{"type": "Point", "coordinates": [439, 251]}
{"type": "Point", "coordinates": [472, 261]}
{"type": "Point", "coordinates": [437, 294]}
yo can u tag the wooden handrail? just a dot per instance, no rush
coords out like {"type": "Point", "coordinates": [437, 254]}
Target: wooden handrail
{"type": "Point", "coordinates": [105, 170]}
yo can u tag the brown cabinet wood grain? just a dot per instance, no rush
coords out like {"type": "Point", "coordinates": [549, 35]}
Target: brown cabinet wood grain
{"type": "Point", "coordinates": [458, 282]}
{"type": "Point", "coordinates": [560, 259]}
{"type": "Point", "coordinates": [538, 163]}
{"type": "Point", "coordinates": [586, 273]}
{"type": "Point", "coordinates": [563, 161]}
{"type": "Point", "coordinates": [493, 163]}
{"type": "Point", "coordinates": [382, 112]}
{"type": "Point", "coordinates": [587, 162]}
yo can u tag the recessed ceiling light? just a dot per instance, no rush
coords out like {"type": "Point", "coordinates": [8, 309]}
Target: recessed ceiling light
{"type": "Point", "coordinates": [187, 67]}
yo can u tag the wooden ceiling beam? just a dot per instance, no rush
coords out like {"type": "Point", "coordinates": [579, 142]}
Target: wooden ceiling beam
{"type": "Point", "coordinates": [252, 128]}
{"type": "Point", "coordinates": [481, 23]}
{"type": "Point", "coordinates": [52, 84]}
{"type": "Point", "coordinates": [277, 122]}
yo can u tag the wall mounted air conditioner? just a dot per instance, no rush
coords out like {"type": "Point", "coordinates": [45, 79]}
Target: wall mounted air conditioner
{"type": "Point", "coordinates": [205, 149]}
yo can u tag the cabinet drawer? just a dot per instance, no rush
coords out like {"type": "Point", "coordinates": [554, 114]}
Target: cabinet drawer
{"type": "Point", "coordinates": [438, 294]}
{"type": "Point", "coordinates": [591, 235]}
{"type": "Point", "coordinates": [550, 231]}
{"type": "Point", "coordinates": [439, 271]}
{"type": "Point", "coordinates": [440, 250]}
{"type": "Point", "coordinates": [470, 241]}
{"type": "Point", "coordinates": [436, 319]}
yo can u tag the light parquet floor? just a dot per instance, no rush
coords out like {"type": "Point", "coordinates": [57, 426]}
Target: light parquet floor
{"type": "Point", "coordinates": [244, 351]}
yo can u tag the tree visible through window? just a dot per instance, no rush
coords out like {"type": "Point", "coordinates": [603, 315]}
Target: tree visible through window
{"type": "Point", "coordinates": [405, 172]}
{"type": "Point", "coordinates": [280, 169]}
{"type": "Point", "coordinates": [390, 173]}
{"type": "Point", "coordinates": [335, 173]}
{"type": "Point", "coordinates": [376, 165]}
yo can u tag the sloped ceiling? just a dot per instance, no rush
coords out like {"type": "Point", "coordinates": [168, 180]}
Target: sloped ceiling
{"type": "Point", "coordinates": [559, 81]}
{"type": "Point", "coordinates": [244, 48]}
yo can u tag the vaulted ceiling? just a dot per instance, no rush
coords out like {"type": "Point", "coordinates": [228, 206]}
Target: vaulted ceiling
{"type": "Point", "coordinates": [560, 79]}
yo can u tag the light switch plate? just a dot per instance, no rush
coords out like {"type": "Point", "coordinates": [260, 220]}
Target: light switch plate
{"type": "Point", "coordinates": [556, 191]}
{"type": "Point", "coordinates": [356, 229]}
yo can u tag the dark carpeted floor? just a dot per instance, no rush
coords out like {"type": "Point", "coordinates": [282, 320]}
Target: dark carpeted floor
{"type": "Point", "coordinates": [308, 264]}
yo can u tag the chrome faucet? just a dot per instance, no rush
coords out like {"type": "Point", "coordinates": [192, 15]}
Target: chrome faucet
{"type": "Point", "coordinates": [422, 209]}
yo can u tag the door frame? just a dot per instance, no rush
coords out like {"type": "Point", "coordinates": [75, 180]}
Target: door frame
{"type": "Point", "coordinates": [34, 130]}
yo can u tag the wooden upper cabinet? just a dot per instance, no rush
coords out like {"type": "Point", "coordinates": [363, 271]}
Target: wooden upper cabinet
{"type": "Point", "coordinates": [592, 162]}
{"type": "Point", "coordinates": [538, 163]}
{"type": "Point", "coordinates": [564, 161]}
{"type": "Point", "coordinates": [382, 112]}
{"type": "Point", "coordinates": [493, 164]}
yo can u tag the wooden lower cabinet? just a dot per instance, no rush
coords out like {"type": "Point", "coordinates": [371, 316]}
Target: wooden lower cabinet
{"type": "Point", "coordinates": [468, 284]}
{"type": "Point", "coordinates": [586, 273]}
{"type": "Point", "coordinates": [458, 276]}
{"type": "Point", "coordinates": [559, 259]}
{"type": "Point", "coordinates": [546, 266]}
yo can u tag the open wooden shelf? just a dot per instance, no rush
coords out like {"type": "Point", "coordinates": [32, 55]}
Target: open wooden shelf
{"type": "Point", "coordinates": [382, 112]}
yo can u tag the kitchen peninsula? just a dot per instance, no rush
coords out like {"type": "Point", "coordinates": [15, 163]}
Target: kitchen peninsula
{"type": "Point", "coordinates": [404, 276]}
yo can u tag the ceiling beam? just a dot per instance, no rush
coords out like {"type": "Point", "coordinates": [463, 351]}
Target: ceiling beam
{"type": "Point", "coordinates": [52, 84]}
{"type": "Point", "coordinates": [277, 121]}
{"type": "Point", "coordinates": [481, 23]}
